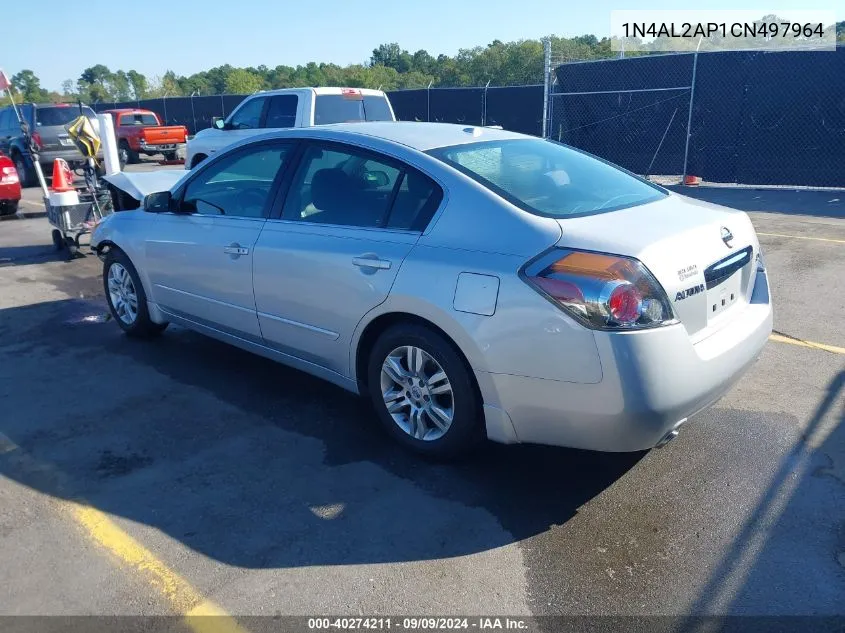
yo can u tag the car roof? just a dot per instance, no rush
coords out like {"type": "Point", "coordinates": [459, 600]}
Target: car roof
{"type": "Point", "coordinates": [125, 110]}
{"type": "Point", "coordinates": [323, 90]}
{"type": "Point", "coordinates": [416, 135]}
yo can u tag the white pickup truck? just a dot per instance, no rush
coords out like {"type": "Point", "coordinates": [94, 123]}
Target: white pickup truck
{"type": "Point", "coordinates": [289, 107]}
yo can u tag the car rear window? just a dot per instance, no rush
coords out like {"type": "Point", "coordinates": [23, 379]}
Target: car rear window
{"type": "Point", "coordinates": [548, 178]}
{"type": "Point", "coordinates": [340, 109]}
{"type": "Point", "coordinates": [60, 115]}
{"type": "Point", "coordinates": [138, 119]}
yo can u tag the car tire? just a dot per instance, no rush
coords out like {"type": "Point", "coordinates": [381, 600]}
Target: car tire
{"type": "Point", "coordinates": [132, 156]}
{"type": "Point", "coordinates": [121, 283]}
{"type": "Point", "coordinates": [9, 207]}
{"type": "Point", "coordinates": [25, 174]}
{"type": "Point", "coordinates": [170, 156]}
{"type": "Point", "coordinates": [441, 392]}
{"type": "Point", "coordinates": [196, 160]}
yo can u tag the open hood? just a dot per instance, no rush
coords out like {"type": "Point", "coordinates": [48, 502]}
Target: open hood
{"type": "Point", "coordinates": [140, 184]}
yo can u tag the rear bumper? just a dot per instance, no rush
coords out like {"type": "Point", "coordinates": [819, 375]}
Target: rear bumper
{"type": "Point", "coordinates": [158, 147]}
{"type": "Point", "coordinates": [72, 155]}
{"type": "Point", "coordinates": [652, 380]}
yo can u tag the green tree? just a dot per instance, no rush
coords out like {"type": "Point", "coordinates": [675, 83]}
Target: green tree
{"type": "Point", "coordinates": [29, 86]}
{"type": "Point", "coordinates": [241, 81]}
{"type": "Point", "coordinates": [93, 83]}
{"type": "Point", "coordinates": [119, 86]}
{"type": "Point", "coordinates": [138, 84]}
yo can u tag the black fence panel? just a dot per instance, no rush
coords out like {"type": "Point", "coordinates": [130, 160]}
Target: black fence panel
{"type": "Point", "coordinates": [793, 122]}
{"type": "Point", "coordinates": [632, 112]}
{"type": "Point", "coordinates": [204, 110]}
{"type": "Point", "coordinates": [457, 105]}
{"type": "Point", "coordinates": [758, 117]}
{"type": "Point", "coordinates": [516, 108]}
{"type": "Point", "coordinates": [230, 102]}
{"type": "Point", "coordinates": [720, 83]}
{"type": "Point", "coordinates": [652, 72]}
{"type": "Point", "coordinates": [409, 105]}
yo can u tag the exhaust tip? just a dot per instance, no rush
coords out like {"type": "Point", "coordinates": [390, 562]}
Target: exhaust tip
{"type": "Point", "coordinates": [671, 434]}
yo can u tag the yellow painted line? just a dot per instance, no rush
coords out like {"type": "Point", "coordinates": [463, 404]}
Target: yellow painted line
{"type": "Point", "coordinates": [803, 237]}
{"type": "Point", "coordinates": [201, 615]}
{"type": "Point", "coordinates": [794, 341]}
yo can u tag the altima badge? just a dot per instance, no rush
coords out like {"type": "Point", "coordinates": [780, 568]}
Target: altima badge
{"type": "Point", "coordinates": [727, 236]}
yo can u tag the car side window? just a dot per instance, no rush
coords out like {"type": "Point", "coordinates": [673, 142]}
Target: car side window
{"type": "Point", "coordinates": [281, 111]}
{"type": "Point", "coordinates": [238, 185]}
{"type": "Point", "coordinates": [416, 202]}
{"type": "Point", "coordinates": [248, 116]}
{"type": "Point", "coordinates": [341, 186]}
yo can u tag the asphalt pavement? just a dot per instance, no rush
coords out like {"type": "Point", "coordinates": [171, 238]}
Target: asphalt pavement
{"type": "Point", "coordinates": [143, 478]}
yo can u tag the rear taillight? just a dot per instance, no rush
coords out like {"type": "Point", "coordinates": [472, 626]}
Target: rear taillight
{"type": "Point", "coordinates": [36, 139]}
{"type": "Point", "coordinates": [8, 176]}
{"type": "Point", "coordinates": [607, 292]}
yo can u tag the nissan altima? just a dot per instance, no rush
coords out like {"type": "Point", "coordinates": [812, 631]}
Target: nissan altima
{"type": "Point", "coordinates": [471, 282]}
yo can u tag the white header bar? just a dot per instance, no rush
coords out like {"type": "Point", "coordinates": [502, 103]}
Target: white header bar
{"type": "Point", "coordinates": [721, 30]}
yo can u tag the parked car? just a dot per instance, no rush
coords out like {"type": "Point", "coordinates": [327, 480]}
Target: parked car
{"type": "Point", "coordinates": [290, 107]}
{"type": "Point", "coordinates": [473, 282]}
{"type": "Point", "coordinates": [142, 132]}
{"type": "Point", "coordinates": [10, 186]}
{"type": "Point", "coordinates": [47, 125]}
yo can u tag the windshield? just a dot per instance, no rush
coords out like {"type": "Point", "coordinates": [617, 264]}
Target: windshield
{"type": "Point", "coordinates": [138, 119]}
{"type": "Point", "coordinates": [548, 178]}
{"type": "Point", "coordinates": [61, 115]}
{"type": "Point", "coordinates": [340, 109]}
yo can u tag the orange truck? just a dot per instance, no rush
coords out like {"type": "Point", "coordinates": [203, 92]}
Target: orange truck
{"type": "Point", "coordinates": [141, 132]}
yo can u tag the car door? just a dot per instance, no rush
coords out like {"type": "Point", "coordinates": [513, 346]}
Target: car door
{"type": "Point", "coordinates": [200, 255]}
{"type": "Point", "coordinates": [348, 221]}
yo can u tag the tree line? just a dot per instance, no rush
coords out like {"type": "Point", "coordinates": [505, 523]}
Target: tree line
{"type": "Point", "coordinates": [390, 67]}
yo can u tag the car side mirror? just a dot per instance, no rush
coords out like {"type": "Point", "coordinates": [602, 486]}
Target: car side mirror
{"type": "Point", "coordinates": [218, 123]}
{"type": "Point", "coordinates": [159, 202]}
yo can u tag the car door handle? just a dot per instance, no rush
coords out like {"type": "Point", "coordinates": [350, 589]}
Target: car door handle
{"type": "Point", "coordinates": [371, 262]}
{"type": "Point", "coordinates": [235, 249]}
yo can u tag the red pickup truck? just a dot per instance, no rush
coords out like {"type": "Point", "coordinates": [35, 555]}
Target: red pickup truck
{"type": "Point", "coordinates": [141, 132]}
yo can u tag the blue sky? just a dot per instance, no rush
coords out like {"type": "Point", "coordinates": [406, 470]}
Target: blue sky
{"type": "Point", "coordinates": [153, 36]}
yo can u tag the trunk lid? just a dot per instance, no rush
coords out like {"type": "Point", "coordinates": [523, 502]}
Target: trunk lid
{"type": "Point", "coordinates": [702, 254]}
{"type": "Point", "coordinates": [164, 134]}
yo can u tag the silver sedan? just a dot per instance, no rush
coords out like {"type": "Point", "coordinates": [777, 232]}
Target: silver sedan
{"type": "Point", "coordinates": [473, 283]}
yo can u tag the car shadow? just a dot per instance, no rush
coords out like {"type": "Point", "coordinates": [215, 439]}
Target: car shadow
{"type": "Point", "coordinates": [819, 203]}
{"type": "Point", "coordinates": [254, 464]}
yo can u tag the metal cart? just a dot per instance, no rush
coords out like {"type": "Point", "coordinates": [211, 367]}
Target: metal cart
{"type": "Point", "coordinates": [72, 222]}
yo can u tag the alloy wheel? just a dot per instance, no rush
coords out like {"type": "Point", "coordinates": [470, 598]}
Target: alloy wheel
{"type": "Point", "coordinates": [417, 393]}
{"type": "Point", "coordinates": [124, 298]}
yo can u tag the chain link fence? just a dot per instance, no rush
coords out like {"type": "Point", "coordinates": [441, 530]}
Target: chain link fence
{"type": "Point", "coordinates": [739, 117]}
{"type": "Point", "coordinates": [517, 108]}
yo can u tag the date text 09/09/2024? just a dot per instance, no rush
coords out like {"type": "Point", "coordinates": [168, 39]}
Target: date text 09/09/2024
{"type": "Point", "coordinates": [723, 29]}
{"type": "Point", "coordinates": [416, 623]}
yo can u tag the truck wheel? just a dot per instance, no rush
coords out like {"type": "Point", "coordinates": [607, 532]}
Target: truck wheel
{"type": "Point", "coordinates": [25, 174]}
{"type": "Point", "coordinates": [197, 160]}
{"type": "Point", "coordinates": [132, 156]}
{"type": "Point", "coordinates": [170, 156]}
{"type": "Point", "coordinates": [123, 154]}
